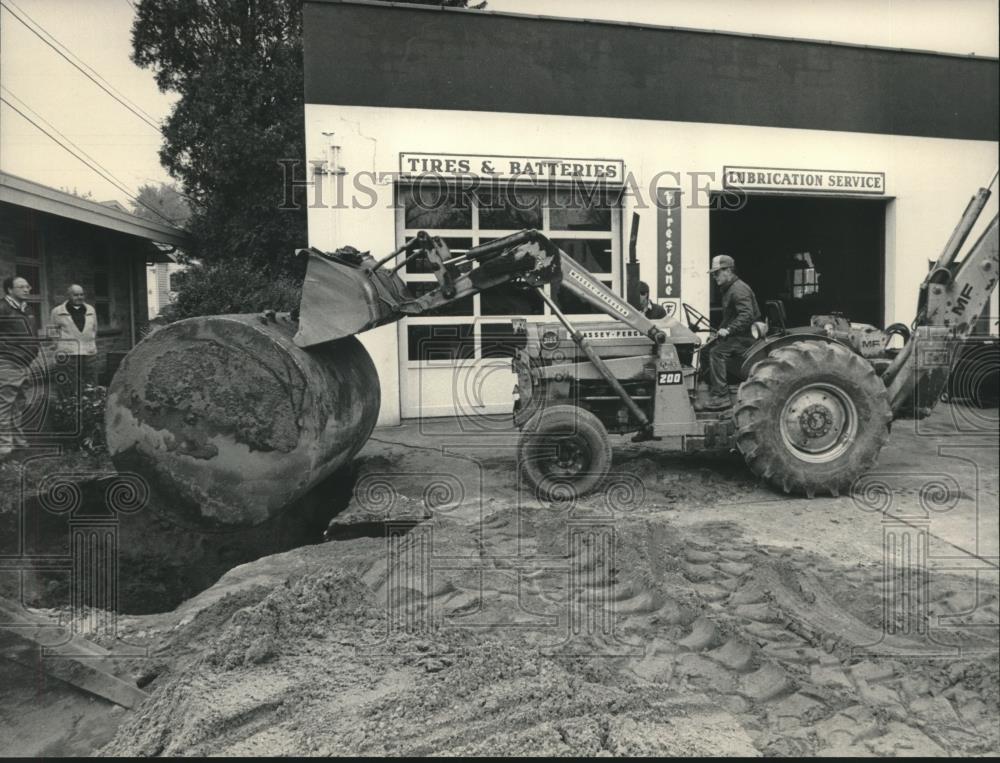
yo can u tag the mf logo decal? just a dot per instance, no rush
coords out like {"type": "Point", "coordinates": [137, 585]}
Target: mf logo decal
{"type": "Point", "coordinates": [963, 300]}
{"type": "Point", "coordinates": [669, 377]}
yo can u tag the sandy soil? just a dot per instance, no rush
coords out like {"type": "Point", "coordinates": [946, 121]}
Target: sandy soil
{"type": "Point", "coordinates": [684, 610]}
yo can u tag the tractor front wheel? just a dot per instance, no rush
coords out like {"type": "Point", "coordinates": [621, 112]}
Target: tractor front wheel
{"type": "Point", "coordinates": [812, 417]}
{"type": "Point", "coordinates": [564, 452]}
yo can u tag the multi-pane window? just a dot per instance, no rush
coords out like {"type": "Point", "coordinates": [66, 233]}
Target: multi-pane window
{"type": "Point", "coordinates": [30, 265]}
{"type": "Point", "coordinates": [22, 250]}
{"type": "Point", "coordinates": [101, 295]}
{"type": "Point", "coordinates": [584, 224]}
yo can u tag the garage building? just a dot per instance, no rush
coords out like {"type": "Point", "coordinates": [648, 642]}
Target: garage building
{"type": "Point", "coordinates": [831, 172]}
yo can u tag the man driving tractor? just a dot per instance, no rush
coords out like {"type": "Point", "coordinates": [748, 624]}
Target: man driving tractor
{"type": "Point", "coordinates": [739, 311]}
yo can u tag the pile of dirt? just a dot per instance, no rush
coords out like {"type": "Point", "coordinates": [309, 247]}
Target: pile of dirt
{"type": "Point", "coordinates": [547, 632]}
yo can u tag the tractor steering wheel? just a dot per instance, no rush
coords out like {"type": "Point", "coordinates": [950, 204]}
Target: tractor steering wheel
{"type": "Point", "coordinates": [695, 320]}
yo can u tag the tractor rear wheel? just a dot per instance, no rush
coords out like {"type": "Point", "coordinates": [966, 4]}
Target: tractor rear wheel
{"type": "Point", "coordinates": [812, 417]}
{"type": "Point", "coordinates": [564, 452]}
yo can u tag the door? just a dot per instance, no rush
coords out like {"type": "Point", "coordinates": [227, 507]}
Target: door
{"type": "Point", "coordinates": [456, 362]}
{"type": "Point", "coordinates": [816, 254]}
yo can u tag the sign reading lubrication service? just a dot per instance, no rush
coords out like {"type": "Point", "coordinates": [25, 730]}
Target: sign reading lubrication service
{"type": "Point", "coordinates": [808, 181]}
{"type": "Point", "coordinates": [668, 243]}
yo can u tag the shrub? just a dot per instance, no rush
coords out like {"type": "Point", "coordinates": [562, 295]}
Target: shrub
{"type": "Point", "coordinates": [232, 286]}
{"type": "Point", "coordinates": [87, 410]}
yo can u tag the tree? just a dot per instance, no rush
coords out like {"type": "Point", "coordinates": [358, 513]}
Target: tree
{"type": "Point", "coordinates": [237, 65]}
{"type": "Point", "coordinates": [75, 192]}
{"type": "Point", "coordinates": [162, 203]}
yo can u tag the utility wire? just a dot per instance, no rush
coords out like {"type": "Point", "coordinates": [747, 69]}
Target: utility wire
{"type": "Point", "coordinates": [79, 64]}
{"type": "Point", "coordinates": [92, 164]}
{"type": "Point", "coordinates": [108, 175]}
{"type": "Point", "coordinates": [38, 30]}
{"type": "Point", "coordinates": [85, 68]}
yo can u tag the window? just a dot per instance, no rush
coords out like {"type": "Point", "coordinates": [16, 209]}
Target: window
{"type": "Point", "coordinates": [585, 224]}
{"type": "Point", "coordinates": [29, 265]}
{"type": "Point", "coordinates": [101, 294]}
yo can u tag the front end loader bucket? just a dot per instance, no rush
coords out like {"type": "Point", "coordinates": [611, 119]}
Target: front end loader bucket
{"type": "Point", "coordinates": [341, 298]}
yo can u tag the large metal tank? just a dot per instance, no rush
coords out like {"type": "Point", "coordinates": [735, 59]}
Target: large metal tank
{"type": "Point", "coordinates": [229, 421]}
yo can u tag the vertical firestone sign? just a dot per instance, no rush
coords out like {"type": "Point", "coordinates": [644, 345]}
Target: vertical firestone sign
{"type": "Point", "coordinates": [668, 243]}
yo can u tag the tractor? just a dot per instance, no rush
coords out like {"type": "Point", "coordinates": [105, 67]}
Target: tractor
{"type": "Point", "coordinates": [812, 405]}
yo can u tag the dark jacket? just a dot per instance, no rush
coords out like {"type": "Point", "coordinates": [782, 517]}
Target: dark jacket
{"type": "Point", "coordinates": [18, 338]}
{"type": "Point", "coordinates": [655, 312]}
{"type": "Point", "coordinates": [739, 308]}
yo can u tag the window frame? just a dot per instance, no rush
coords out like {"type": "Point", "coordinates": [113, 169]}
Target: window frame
{"type": "Point", "coordinates": [101, 262]}
{"type": "Point", "coordinates": [477, 319]}
{"type": "Point", "coordinates": [30, 252]}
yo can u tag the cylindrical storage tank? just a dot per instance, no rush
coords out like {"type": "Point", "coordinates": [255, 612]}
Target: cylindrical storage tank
{"type": "Point", "coordinates": [229, 421]}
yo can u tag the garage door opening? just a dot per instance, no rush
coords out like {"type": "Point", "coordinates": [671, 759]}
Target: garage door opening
{"type": "Point", "coordinates": [817, 255]}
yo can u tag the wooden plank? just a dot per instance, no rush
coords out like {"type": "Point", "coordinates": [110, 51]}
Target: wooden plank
{"type": "Point", "coordinates": [35, 642]}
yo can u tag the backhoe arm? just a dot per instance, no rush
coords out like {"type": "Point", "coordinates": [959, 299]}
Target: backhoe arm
{"type": "Point", "coordinates": [951, 299]}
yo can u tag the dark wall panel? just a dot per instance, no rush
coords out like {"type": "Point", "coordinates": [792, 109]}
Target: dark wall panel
{"type": "Point", "coordinates": [414, 57]}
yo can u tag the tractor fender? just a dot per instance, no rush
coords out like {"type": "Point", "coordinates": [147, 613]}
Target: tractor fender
{"type": "Point", "coordinates": [769, 344]}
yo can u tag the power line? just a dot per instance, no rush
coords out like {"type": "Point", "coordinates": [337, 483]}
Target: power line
{"type": "Point", "coordinates": [86, 159]}
{"type": "Point", "coordinates": [79, 64]}
{"type": "Point", "coordinates": [43, 34]}
{"type": "Point", "coordinates": [91, 163]}
{"type": "Point", "coordinates": [86, 68]}
{"type": "Point", "coordinates": [83, 157]}
{"type": "Point", "coordinates": [110, 176]}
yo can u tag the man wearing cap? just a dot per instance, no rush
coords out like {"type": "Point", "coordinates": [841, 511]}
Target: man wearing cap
{"type": "Point", "coordinates": [739, 311]}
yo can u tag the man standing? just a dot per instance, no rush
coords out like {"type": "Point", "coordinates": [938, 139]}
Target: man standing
{"type": "Point", "coordinates": [18, 349]}
{"type": "Point", "coordinates": [739, 311]}
{"type": "Point", "coordinates": [74, 323]}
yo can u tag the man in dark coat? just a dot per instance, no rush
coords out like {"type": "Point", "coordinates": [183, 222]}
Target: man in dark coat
{"type": "Point", "coordinates": [18, 348]}
{"type": "Point", "coordinates": [739, 311]}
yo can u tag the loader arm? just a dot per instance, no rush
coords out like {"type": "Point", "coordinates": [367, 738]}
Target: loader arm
{"type": "Point", "coordinates": [347, 292]}
{"type": "Point", "coordinates": [951, 297]}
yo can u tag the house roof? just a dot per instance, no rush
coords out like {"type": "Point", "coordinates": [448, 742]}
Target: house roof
{"type": "Point", "coordinates": [26, 193]}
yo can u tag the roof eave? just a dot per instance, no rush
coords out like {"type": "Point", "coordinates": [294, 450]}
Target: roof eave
{"type": "Point", "coordinates": [25, 193]}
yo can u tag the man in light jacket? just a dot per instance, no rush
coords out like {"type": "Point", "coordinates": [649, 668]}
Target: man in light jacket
{"type": "Point", "coordinates": [74, 328]}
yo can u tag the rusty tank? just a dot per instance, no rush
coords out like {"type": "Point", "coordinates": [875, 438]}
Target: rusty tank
{"type": "Point", "coordinates": [230, 422]}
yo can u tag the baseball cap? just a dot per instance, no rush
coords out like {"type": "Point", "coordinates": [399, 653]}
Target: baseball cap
{"type": "Point", "coordinates": [721, 261]}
